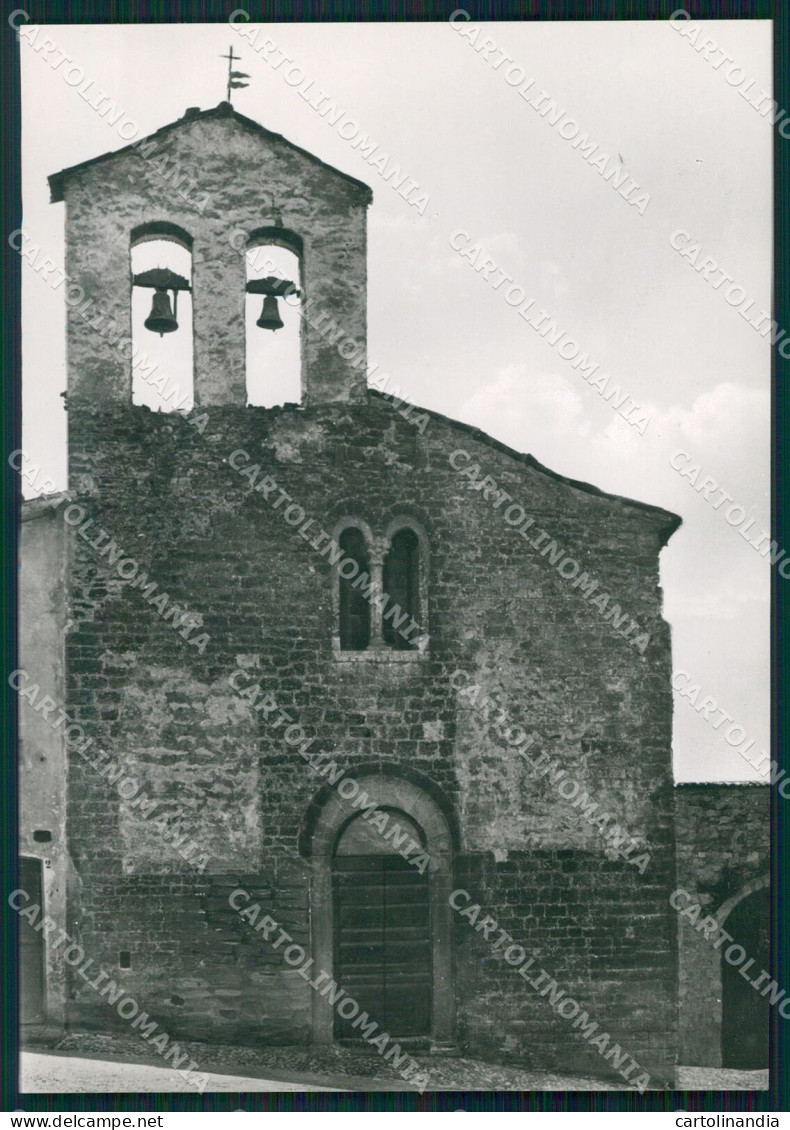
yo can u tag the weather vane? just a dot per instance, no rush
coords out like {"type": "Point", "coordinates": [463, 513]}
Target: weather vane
{"type": "Point", "coordinates": [234, 76]}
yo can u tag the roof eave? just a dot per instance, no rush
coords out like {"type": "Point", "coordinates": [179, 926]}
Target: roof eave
{"type": "Point", "coordinates": [672, 521]}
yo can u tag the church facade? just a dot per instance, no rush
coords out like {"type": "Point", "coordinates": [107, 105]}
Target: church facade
{"type": "Point", "coordinates": [369, 707]}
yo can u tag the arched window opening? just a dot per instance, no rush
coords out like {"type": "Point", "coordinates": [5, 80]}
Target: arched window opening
{"type": "Point", "coordinates": [273, 320]}
{"type": "Point", "coordinates": [401, 580]}
{"type": "Point", "coordinates": [354, 609]}
{"type": "Point", "coordinates": [162, 361]}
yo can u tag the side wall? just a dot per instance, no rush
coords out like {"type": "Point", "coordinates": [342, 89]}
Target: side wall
{"type": "Point", "coordinates": [42, 766]}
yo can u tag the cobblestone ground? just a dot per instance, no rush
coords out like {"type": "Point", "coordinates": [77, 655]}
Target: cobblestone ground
{"type": "Point", "coordinates": [311, 1068]}
{"type": "Point", "coordinates": [721, 1079]}
{"type": "Point", "coordinates": [42, 1073]}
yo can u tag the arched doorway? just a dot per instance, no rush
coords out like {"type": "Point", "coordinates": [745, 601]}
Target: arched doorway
{"type": "Point", "coordinates": [378, 921]}
{"type": "Point", "coordinates": [745, 1012]}
{"type": "Point", "coordinates": [382, 928]}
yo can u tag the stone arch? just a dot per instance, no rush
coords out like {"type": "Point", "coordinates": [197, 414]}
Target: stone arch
{"type": "Point", "coordinates": [390, 771]}
{"type": "Point", "coordinates": [745, 1016]}
{"type": "Point", "coordinates": [161, 229]}
{"type": "Point", "coordinates": [701, 1011]}
{"type": "Point", "coordinates": [729, 904]}
{"type": "Point", "coordinates": [278, 237]}
{"type": "Point", "coordinates": [352, 519]}
{"type": "Point", "coordinates": [404, 519]}
{"type": "Point", "coordinates": [153, 246]}
{"type": "Point", "coordinates": [328, 823]}
{"type": "Point", "coordinates": [411, 512]}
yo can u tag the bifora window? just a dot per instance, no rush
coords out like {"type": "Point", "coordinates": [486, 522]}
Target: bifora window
{"type": "Point", "coordinates": [379, 604]}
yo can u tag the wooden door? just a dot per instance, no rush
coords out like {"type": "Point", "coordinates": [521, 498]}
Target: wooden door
{"type": "Point", "coordinates": [382, 953]}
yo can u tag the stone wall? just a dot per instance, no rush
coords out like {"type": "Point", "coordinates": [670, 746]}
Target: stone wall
{"type": "Point", "coordinates": [163, 710]}
{"type": "Point", "coordinates": [597, 930]}
{"type": "Point", "coordinates": [176, 945]}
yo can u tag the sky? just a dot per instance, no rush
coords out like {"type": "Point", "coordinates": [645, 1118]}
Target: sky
{"type": "Point", "coordinates": [490, 165]}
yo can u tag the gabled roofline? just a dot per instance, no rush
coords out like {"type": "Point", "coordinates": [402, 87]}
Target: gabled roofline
{"type": "Point", "coordinates": [673, 521]}
{"type": "Point", "coordinates": [223, 110]}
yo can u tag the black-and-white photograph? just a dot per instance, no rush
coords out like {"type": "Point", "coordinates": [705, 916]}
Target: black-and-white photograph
{"type": "Point", "coordinates": [395, 556]}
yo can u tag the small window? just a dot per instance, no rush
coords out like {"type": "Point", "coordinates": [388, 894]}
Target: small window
{"type": "Point", "coordinates": [402, 586]}
{"type": "Point", "coordinates": [353, 607]}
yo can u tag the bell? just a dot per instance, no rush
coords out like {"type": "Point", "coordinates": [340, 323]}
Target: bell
{"type": "Point", "coordinates": [270, 316]}
{"type": "Point", "coordinates": [161, 320]}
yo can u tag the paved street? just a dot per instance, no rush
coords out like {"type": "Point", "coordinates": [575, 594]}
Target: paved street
{"type": "Point", "coordinates": [56, 1074]}
{"type": "Point", "coordinates": [721, 1079]}
{"type": "Point", "coordinates": [47, 1073]}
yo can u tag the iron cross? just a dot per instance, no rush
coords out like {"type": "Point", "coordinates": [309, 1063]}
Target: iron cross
{"type": "Point", "coordinates": [234, 76]}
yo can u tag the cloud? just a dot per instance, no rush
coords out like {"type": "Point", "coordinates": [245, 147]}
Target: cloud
{"type": "Point", "coordinates": [727, 414]}
{"type": "Point", "coordinates": [725, 431]}
{"type": "Point", "coordinates": [721, 415]}
{"type": "Point", "coordinates": [532, 412]}
{"type": "Point", "coordinates": [503, 247]}
{"type": "Point", "coordinates": [553, 416]}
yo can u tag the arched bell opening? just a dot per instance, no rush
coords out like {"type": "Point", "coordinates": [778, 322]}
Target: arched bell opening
{"type": "Point", "coordinates": [273, 323]}
{"type": "Point", "coordinates": [162, 359]}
